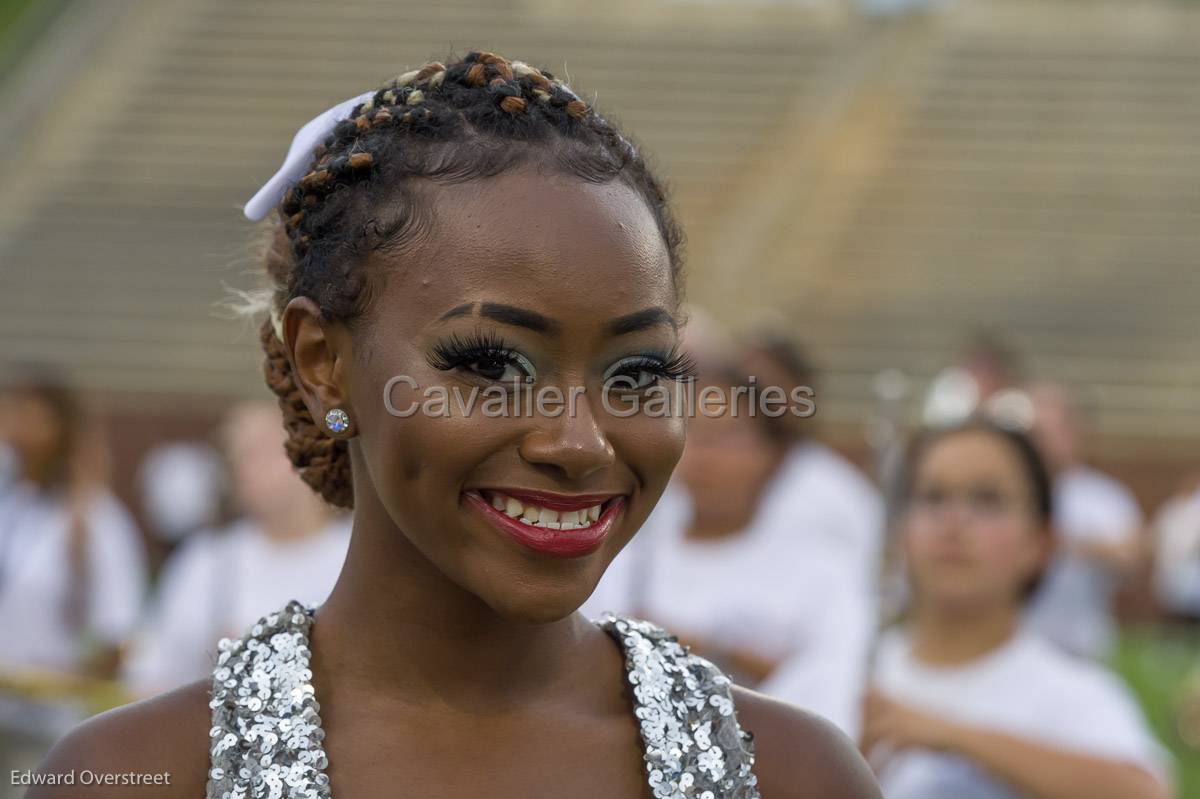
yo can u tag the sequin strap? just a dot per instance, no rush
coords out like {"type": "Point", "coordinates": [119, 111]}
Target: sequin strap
{"type": "Point", "coordinates": [694, 746]}
{"type": "Point", "coordinates": [266, 734]}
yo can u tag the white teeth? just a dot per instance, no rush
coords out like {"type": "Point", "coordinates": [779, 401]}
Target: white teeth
{"type": "Point", "coordinates": [545, 517]}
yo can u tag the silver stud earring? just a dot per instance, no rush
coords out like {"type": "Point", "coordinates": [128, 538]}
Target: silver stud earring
{"type": "Point", "coordinates": [337, 420]}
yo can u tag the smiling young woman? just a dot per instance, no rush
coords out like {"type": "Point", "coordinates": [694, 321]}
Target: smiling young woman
{"type": "Point", "coordinates": [472, 225]}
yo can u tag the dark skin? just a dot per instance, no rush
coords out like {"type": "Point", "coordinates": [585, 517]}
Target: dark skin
{"type": "Point", "coordinates": [449, 659]}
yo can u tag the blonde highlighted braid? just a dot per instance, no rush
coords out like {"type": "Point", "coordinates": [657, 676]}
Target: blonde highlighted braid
{"type": "Point", "coordinates": [471, 118]}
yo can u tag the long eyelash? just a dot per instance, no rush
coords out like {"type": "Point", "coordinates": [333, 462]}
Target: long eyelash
{"type": "Point", "coordinates": [456, 350]}
{"type": "Point", "coordinates": [675, 365]}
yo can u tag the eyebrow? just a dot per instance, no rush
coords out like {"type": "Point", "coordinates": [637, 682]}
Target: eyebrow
{"type": "Point", "coordinates": [640, 320]}
{"type": "Point", "coordinates": [520, 317]}
{"type": "Point", "coordinates": [461, 310]}
{"type": "Point", "coordinates": [523, 317]}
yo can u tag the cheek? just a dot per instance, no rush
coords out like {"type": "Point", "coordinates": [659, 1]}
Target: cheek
{"type": "Point", "coordinates": [1004, 544]}
{"type": "Point", "coordinates": [650, 446]}
{"type": "Point", "coordinates": [729, 468]}
{"type": "Point", "coordinates": [699, 466]}
{"type": "Point", "coordinates": [411, 429]}
{"type": "Point", "coordinates": [37, 431]}
{"type": "Point", "coordinates": [918, 534]}
{"type": "Point", "coordinates": [431, 450]}
{"type": "Point", "coordinates": [914, 542]}
{"type": "Point", "coordinates": [262, 476]}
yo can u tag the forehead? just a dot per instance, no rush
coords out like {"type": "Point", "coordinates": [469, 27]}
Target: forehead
{"type": "Point", "coordinates": [971, 457]}
{"type": "Point", "coordinates": [551, 243]}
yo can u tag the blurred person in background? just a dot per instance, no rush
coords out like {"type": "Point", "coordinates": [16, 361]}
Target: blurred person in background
{"type": "Point", "coordinates": [1177, 552]}
{"type": "Point", "coordinates": [986, 367]}
{"type": "Point", "coordinates": [181, 486]}
{"type": "Point", "coordinates": [758, 553]}
{"type": "Point", "coordinates": [967, 701]}
{"type": "Point", "coordinates": [843, 508]}
{"type": "Point", "coordinates": [286, 544]}
{"type": "Point", "coordinates": [72, 565]}
{"type": "Point", "coordinates": [1099, 525]}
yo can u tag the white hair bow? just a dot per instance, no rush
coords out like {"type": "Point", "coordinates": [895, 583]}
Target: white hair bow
{"type": "Point", "coordinates": [298, 157]}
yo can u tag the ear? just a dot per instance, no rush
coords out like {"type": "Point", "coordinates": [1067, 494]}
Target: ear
{"type": "Point", "coordinates": [319, 352]}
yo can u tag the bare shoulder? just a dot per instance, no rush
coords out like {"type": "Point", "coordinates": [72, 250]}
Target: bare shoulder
{"type": "Point", "coordinates": [160, 742]}
{"type": "Point", "coordinates": [799, 755]}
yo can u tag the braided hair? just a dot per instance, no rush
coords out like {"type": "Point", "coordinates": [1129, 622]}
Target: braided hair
{"type": "Point", "coordinates": [475, 117]}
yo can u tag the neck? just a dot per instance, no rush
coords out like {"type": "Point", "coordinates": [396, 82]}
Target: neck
{"type": "Point", "coordinates": [396, 626]}
{"type": "Point", "coordinates": [953, 638]}
{"type": "Point", "coordinates": [39, 473]}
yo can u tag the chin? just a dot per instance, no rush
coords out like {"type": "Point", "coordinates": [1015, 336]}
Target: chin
{"type": "Point", "coordinates": [539, 574]}
{"type": "Point", "coordinates": [540, 607]}
{"type": "Point", "coordinates": [964, 600]}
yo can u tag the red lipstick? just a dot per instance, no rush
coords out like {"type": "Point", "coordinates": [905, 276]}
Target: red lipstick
{"type": "Point", "coordinates": [546, 540]}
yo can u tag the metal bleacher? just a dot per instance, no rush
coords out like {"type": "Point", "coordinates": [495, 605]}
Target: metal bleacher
{"type": "Point", "coordinates": [1021, 172]}
{"type": "Point", "coordinates": [121, 220]}
{"type": "Point", "coordinates": [887, 186]}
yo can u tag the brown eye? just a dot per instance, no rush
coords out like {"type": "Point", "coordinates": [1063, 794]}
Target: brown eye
{"type": "Point", "coordinates": [640, 372]}
{"type": "Point", "coordinates": [482, 355]}
{"type": "Point", "coordinates": [931, 499]}
{"type": "Point", "coordinates": [988, 502]}
{"type": "Point", "coordinates": [632, 374]}
{"type": "Point", "coordinates": [501, 367]}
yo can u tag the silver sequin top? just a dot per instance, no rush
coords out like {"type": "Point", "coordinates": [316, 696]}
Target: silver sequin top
{"type": "Point", "coordinates": [266, 736]}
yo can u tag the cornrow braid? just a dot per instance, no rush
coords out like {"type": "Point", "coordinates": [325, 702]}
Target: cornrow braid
{"type": "Point", "coordinates": [470, 118]}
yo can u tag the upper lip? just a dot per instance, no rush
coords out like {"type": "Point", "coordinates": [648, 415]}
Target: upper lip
{"type": "Point", "coordinates": [553, 500]}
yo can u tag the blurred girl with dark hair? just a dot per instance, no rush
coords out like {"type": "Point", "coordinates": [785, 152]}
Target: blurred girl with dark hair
{"type": "Point", "coordinates": [967, 703]}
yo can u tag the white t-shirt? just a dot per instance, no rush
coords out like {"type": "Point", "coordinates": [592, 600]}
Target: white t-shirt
{"type": "Point", "coordinates": [1073, 607]}
{"type": "Point", "coordinates": [794, 586]}
{"type": "Point", "coordinates": [217, 586]}
{"type": "Point", "coordinates": [1177, 560]}
{"type": "Point", "coordinates": [1027, 688]}
{"type": "Point", "coordinates": [836, 504]}
{"type": "Point", "coordinates": [35, 578]}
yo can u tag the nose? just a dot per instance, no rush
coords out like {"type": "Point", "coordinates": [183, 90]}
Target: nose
{"type": "Point", "coordinates": [572, 444]}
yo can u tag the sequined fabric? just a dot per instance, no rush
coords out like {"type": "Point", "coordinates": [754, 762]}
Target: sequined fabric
{"type": "Point", "coordinates": [266, 731]}
{"type": "Point", "coordinates": [693, 744]}
{"type": "Point", "coordinates": [266, 736]}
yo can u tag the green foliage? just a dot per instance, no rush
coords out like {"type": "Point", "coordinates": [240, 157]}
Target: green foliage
{"type": "Point", "coordinates": [10, 11]}
{"type": "Point", "coordinates": [1161, 665]}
